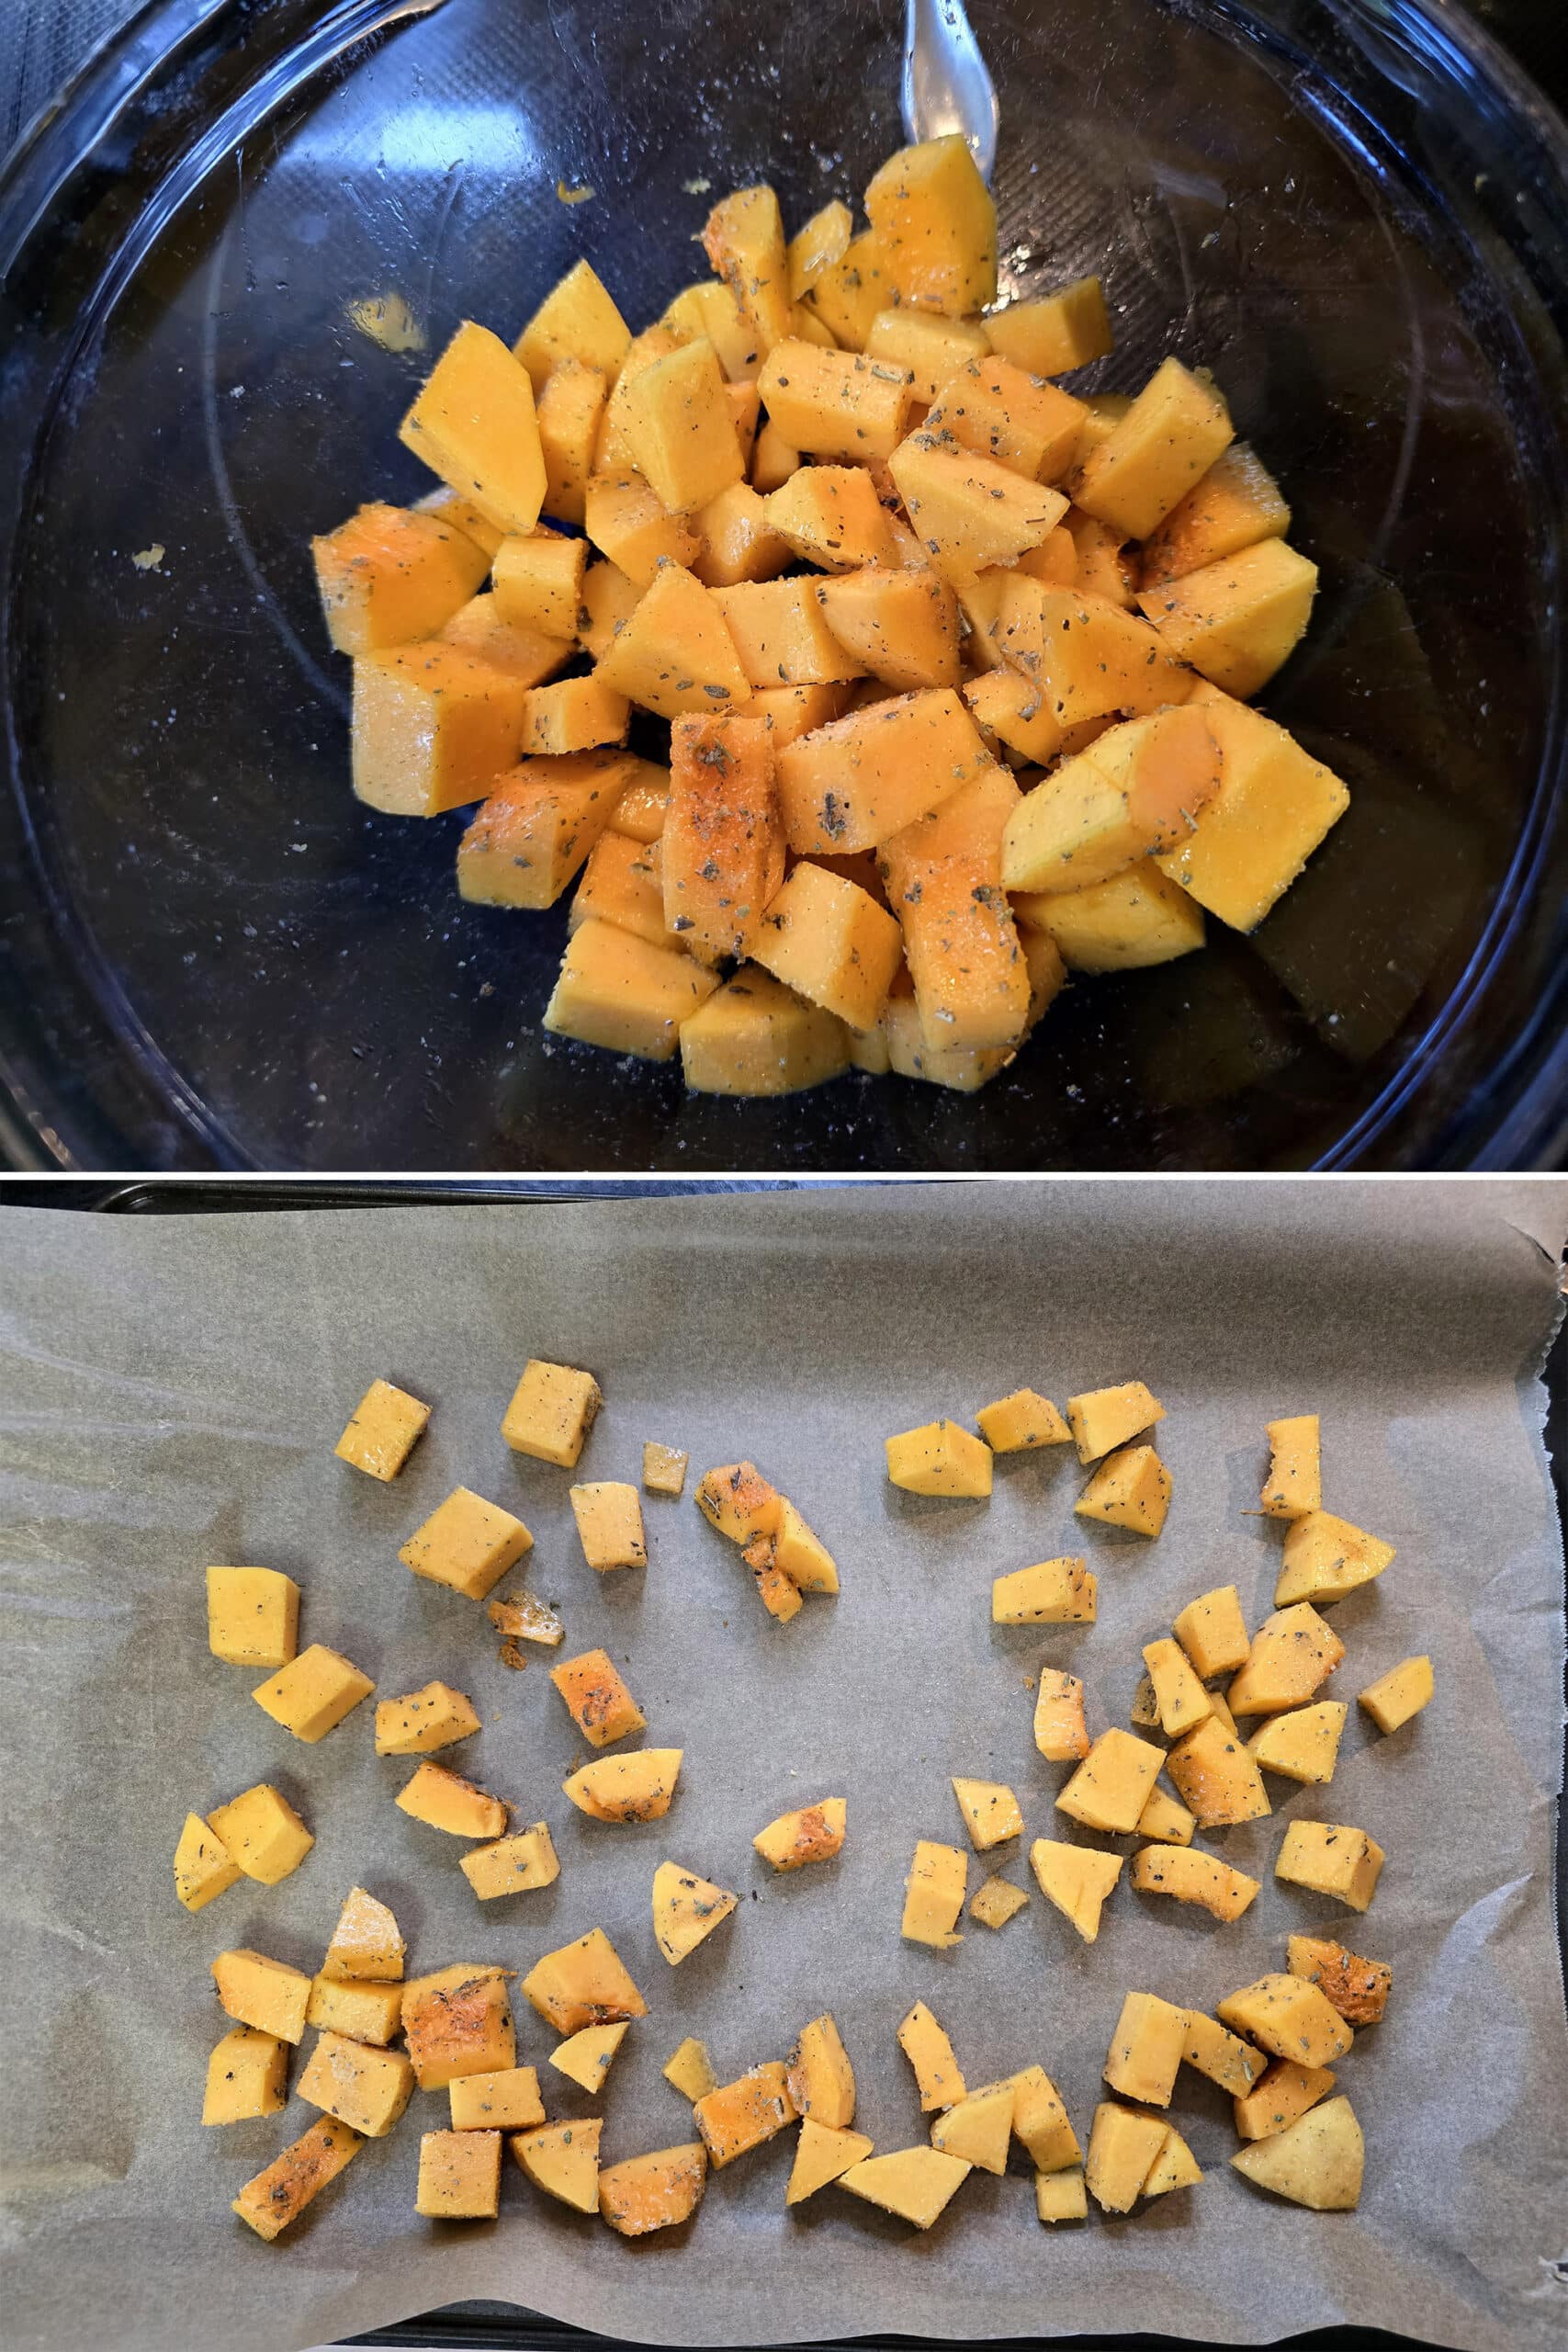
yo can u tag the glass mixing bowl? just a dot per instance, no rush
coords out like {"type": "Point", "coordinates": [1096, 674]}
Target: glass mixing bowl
{"type": "Point", "coordinates": [1355, 213]}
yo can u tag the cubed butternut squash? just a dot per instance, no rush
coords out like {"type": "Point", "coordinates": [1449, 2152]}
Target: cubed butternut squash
{"type": "Point", "coordinates": [577, 320]}
{"type": "Point", "coordinates": [390, 574]}
{"type": "Point", "coordinates": [1316, 2161]}
{"type": "Point", "coordinates": [999, 411]}
{"type": "Point", "coordinates": [934, 1895]}
{"type": "Point", "coordinates": [583, 1984]}
{"type": "Point", "coordinates": [638, 1787]}
{"type": "Point", "coordinates": [653, 2192]}
{"type": "Point", "coordinates": [1272, 807]}
{"type": "Point", "coordinates": [1331, 1859]}
{"type": "Point", "coordinates": [968, 510]}
{"type": "Point", "coordinates": [744, 240]}
{"type": "Point", "coordinates": [686, 1910]}
{"type": "Point", "coordinates": [1237, 620]}
{"type": "Point", "coordinates": [597, 1699]}
{"type": "Point", "coordinates": [459, 2021]}
{"type": "Point", "coordinates": [681, 429]}
{"type": "Point", "coordinates": [835, 404]}
{"type": "Point", "coordinates": [252, 1616]}
{"type": "Point", "coordinates": [935, 227]}
{"type": "Point", "coordinates": [1110, 1787]}
{"type": "Point", "coordinates": [1055, 332]}
{"type": "Point", "coordinates": [381, 1434]}
{"type": "Point", "coordinates": [467, 1544]}
{"type": "Point", "coordinates": [616, 990]}
{"type": "Point", "coordinates": [1169, 438]}
{"type": "Point", "coordinates": [851, 784]}
{"type": "Point", "coordinates": [539, 822]}
{"type": "Point", "coordinates": [432, 727]}
{"type": "Point", "coordinates": [1399, 1694]}
{"type": "Point", "coordinates": [1231, 507]}
{"type": "Point", "coordinates": [474, 423]}
{"type": "Point", "coordinates": [902, 624]}
{"type": "Point", "coordinates": [1076, 1879]}
{"type": "Point", "coordinates": [939, 1458]}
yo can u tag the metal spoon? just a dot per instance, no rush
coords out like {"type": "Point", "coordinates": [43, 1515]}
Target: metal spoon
{"type": "Point", "coordinates": [946, 86]}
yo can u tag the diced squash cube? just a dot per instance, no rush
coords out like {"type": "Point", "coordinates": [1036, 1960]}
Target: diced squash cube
{"type": "Point", "coordinates": [474, 423]}
{"type": "Point", "coordinates": [538, 582]}
{"type": "Point", "coordinates": [690, 2070]}
{"type": "Point", "coordinates": [1055, 562]}
{"type": "Point", "coordinates": [939, 1458]}
{"type": "Point", "coordinates": [459, 2176]}
{"type": "Point", "coordinates": [979, 2128]}
{"type": "Point", "coordinates": [800, 1555]}
{"type": "Point", "coordinates": [524, 1619]}
{"type": "Point", "coordinates": [367, 1944]}
{"type": "Point", "coordinates": [1166, 1822]}
{"type": "Point", "coordinates": [653, 2192]}
{"type": "Point", "coordinates": [626, 520]}
{"type": "Point", "coordinates": [935, 227]}
{"type": "Point", "coordinates": [459, 2021]}
{"type": "Point", "coordinates": [1399, 1694]}
{"type": "Point", "coordinates": [1303, 1743]}
{"type": "Point", "coordinates": [1010, 707]}
{"type": "Point", "coordinates": [1236, 621]}
{"type": "Point", "coordinates": [831, 516]}
{"type": "Point", "coordinates": [1283, 2092]}
{"type": "Point", "coordinates": [505, 2101]}
{"type": "Point", "coordinates": [1325, 1558]}
{"type": "Point", "coordinates": [999, 411]}
{"type": "Point", "coordinates": [252, 1616]}
{"type": "Point", "coordinates": [968, 825]}
{"type": "Point", "coordinates": [996, 1901]}
{"type": "Point", "coordinates": [389, 575]}
{"type": "Point", "coordinates": [1294, 1485]}
{"type": "Point", "coordinates": [263, 1993]}
{"type": "Point", "coordinates": [1040, 2120]}
{"type": "Point", "coordinates": [781, 634]}
{"type": "Point", "coordinates": [851, 785]}
{"type": "Point", "coordinates": [313, 1693]}
{"type": "Point", "coordinates": [709, 311]}
{"type": "Point", "coordinates": [834, 403]}
{"type": "Point", "coordinates": [1174, 2167]}
{"type": "Point", "coordinates": [820, 2077]}
{"type": "Point", "coordinates": [814, 1832]}
{"type": "Point", "coordinates": [1060, 1733]}
{"type": "Point", "coordinates": [1316, 2161]}
{"type": "Point", "coordinates": [823, 241]}
{"type": "Point", "coordinates": [577, 320]}
{"type": "Point", "coordinates": [849, 293]}
{"type": "Point", "coordinates": [1215, 1776]}
{"type": "Point", "coordinates": [365, 2088]}
{"type": "Point", "coordinates": [681, 429]}
{"type": "Point", "coordinates": [1019, 1423]}
{"type": "Point", "coordinates": [742, 2115]}
{"type": "Point", "coordinates": [609, 597]}
{"type": "Point", "coordinates": [539, 822]}
{"type": "Point", "coordinates": [615, 990]}
{"type": "Point", "coordinates": [1332, 1860]}
{"type": "Point", "coordinates": [203, 1864]}
{"type": "Point", "coordinates": [990, 1812]}
{"type": "Point", "coordinates": [744, 241]}
{"type": "Point", "coordinates": [368, 2012]}
{"type": "Point", "coordinates": [1178, 1695]}
{"type": "Point", "coordinates": [1168, 438]}
{"type": "Point", "coordinates": [1289, 2019]}
{"type": "Point", "coordinates": [686, 1909]}
{"type": "Point", "coordinates": [934, 1895]}
{"type": "Point", "coordinates": [1213, 2051]}
{"type": "Point", "coordinates": [427, 1720]}
{"type": "Point", "coordinates": [1086, 657]}
{"type": "Point", "coordinates": [280, 2193]}
{"type": "Point", "coordinates": [432, 727]}
{"type": "Point", "coordinates": [1293, 1652]}
{"type": "Point", "coordinates": [563, 2160]}
{"type": "Point", "coordinates": [583, 1984]}
{"type": "Point", "coordinates": [901, 625]}
{"type": "Point", "coordinates": [1102, 1419]}
{"type": "Point", "coordinates": [930, 348]}
{"type": "Point", "coordinates": [675, 654]}
{"type": "Point", "coordinates": [1231, 507]}
{"type": "Point", "coordinates": [791, 712]}
{"type": "Point", "coordinates": [1060, 2196]}
{"type": "Point", "coordinates": [822, 2154]}
{"type": "Point", "coordinates": [574, 714]}
{"type": "Point", "coordinates": [1053, 1592]}
{"type": "Point", "coordinates": [529, 655]}
{"type": "Point", "coordinates": [443, 1800]}
{"type": "Point", "coordinates": [1130, 794]}
{"type": "Point", "coordinates": [904, 1048]}
{"type": "Point", "coordinates": [514, 1865]}
{"type": "Point", "coordinates": [378, 1439]}
{"type": "Point", "coordinates": [722, 846]}
{"type": "Point", "coordinates": [739, 1501]}
{"type": "Point", "coordinates": [585, 2058]}
{"type": "Point", "coordinates": [1076, 1879]}
{"type": "Point", "coordinates": [755, 1036]}
{"type": "Point", "coordinates": [623, 884]}
{"type": "Point", "coordinates": [1146, 2049]}
{"type": "Point", "coordinates": [1137, 918]}
{"type": "Point", "coordinates": [1056, 333]}
{"type": "Point", "coordinates": [1213, 1632]}
{"type": "Point", "coordinates": [937, 2075]}
{"type": "Point", "coordinates": [1110, 1787]}
{"type": "Point", "coordinates": [1253, 837]}
{"type": "Point", "coordinates": [1357, 1987]}
{"type": "Point", "coordinates": [571, 411]}
{"type": "Point", "coordinates": [916, 2184]}
{"type": "Point", "coordinates": [466, 1544]}
{"type": "Point", "coordinates": [1124, 2148]}
{"type": "Point", "coordinates": [966, 510]}
{"type": "Point", "coordinates": [1193, 1877]}
{"type": "Point", "coordinates": [609, 1524]}
{"type": "Point", "coordinates": [463, 516]}
{"type": "Point", "coordinates": [626, 1788]}
{"type": "Point", "coordinates": [663, 1468]}
{"type": "Point", "coordinates": [1128, 1489]}
{"type": "Point", "coordinates": [597, 1698]}
{"type": "Point", "coordinates": [972, 984]}
{"type": "Point", "coordinates": [774, 460]}
{"type": "Point", "coordinates": [246, 2078]}
{"type": "Point", "coordinates": [739, 541]}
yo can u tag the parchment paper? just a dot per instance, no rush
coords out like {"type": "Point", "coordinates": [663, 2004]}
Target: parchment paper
{"type": "Point", "coordinates": [169, 1396]}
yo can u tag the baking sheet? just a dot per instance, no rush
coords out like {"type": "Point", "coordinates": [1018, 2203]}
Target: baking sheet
{"type": "Point", "coordinates": [169, 1396]}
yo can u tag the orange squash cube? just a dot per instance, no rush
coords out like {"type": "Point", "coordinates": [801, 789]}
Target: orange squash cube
{"type": "Point", "coordinates": [1168, 438]}
{"type": "Point", "coordinates": [570, 411]}
{"type": "Point", "coordinates": [389, 575]}
{"type": "Point", "coordinates": [902, 624]}
{"type": "Point", "coordinates": [576, 715]}
{"type": "Point", "coordinates": [744, 241]}
{"type": "Point", "coordinates": [1233, 506]}
{"type": "Point", "coordinates": [474, 423]}
{"type": "Point", "coordinates": [675, 654]}
{"type": "Point", "coordinates": [577, 320]}
{"type": "Point", "coordinates": [756, 1037]}
{"type": "Point", "coordinates": [432, 728]}
{"type": "Point", "coordinates": [831, 943]}
{"type": "Point", "coordinates": [935, 227]}
{"type": "Point", "coordinates": [626, 521]}
{"type": "Point", "coordinates": [851, 784]}
{"type": "Point", "coordinates": [835, 404]}
{"type": "Point", "coordinates": [997, 411]}
{"type": "Point", "coordinates": [1056, 334]}
{"type": "Point", "coordinates": [538, 582]}
{"type": "Point", "coordinates": [833, 518]}
{"type": "Point", "coordinates": [538, 824]}
{"type": "Point", "coordinates": [681, 430]}
{"type": "Point", "coordinates": [723, 846]}
{"type": "Point", "coordinates": [614, 990]}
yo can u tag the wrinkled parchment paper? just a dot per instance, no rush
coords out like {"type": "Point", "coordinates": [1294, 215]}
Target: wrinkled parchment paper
{"type": "Point", "coordinates": [169, 1396]}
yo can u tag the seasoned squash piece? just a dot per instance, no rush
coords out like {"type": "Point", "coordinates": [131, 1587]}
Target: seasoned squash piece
{"type": "Point", "coordinates": [1143, 1713]}
{"type": "Point", "coordinates": [755, 1036]}
{"type": "Point", "coordinates": [571, 413]}
{"type": "Point", "coordinates": [790, 712]}
{"type": "Point", "coordinates": [1215, 1776]}
{"type": "Point", "coordinates": [1146, 2049]}
{"type": "Point", "coordinates": [467, 1544]}
{"type": "Point", "coordinates": [681, 429]}
{"type": "Point", "coordinates": [583, 1984]}
{"type": "Point", "coordinates": [312, 1694]}
{"type": "Point", "coordinates": [1179, 1697]}
{"type": "Point", "coordinates": [931, 349]}
{"type": "Point", "coordinates": [1164, 1820]}
{"type": "Point", "coordinates": [1000, 411]}
{"type": "Point", "coordinates": [1274, 805]}
{"type": "Point", "coordinates": [675, 655]}
{"type": "Point", "coordinates": [203, 1864]}
{"type": "Point", "coordinates": [459, 2176]}
{"type": "Point", "coordinates": [1325, 1558]}
{"type": "Point", "coordinates": [653, 2192]}
{"type": "Point", "coordinates": [365, 1944]}
{"type": "Point", "coordinates": [425, 1720]}
{"type": "Point", "coordinates": [514, 1865]}
{"type": "Point", "coordinates": [614, 990]}
{"type": "Point", "coordinates": [1059, 2196]}
{"type": "Point", "coordinates": [1213, 1632]}
{"type": "Point", "coordinates": [1316, 2161]}
{"type": "Point", "coordinates": [365, 2088]}
{"type": "Point", "coordinates": [585, 2058]}
{"type": "Point", "coordinates": [1102, 1419]}
{"type": "Point", "coordinates": [611, 450]}
{"type": "Point", "coordinates": [597, 1698]}
{"type": "Point", "coordinates": [1303, 1743]}
{"type": "Point", "coordinates": [247, 2077]}
{"type": "Point", "coordinates": [849, 293]}
{"type": "Point", "coordinates": [972, 984]}
{"type": "Point", "coordinates": [1357, 1988]}
{"type": "Point", "coordinates": [1086, 657]}
{"type": "Point", "coordinates": [915, 2183]}
{"type": "Point", "coordinates": [996, 1901]}
{"type": "Point", "coordinates": [1399, 1694]}
{"type": "Point", "coordinates": [686, 1909]}
{"type": "Point", "coordinates": [969, 824]}
{"type": "Point", "coordinates": [1076, 1879]}
{"type": "Point", "coordinates": [1332, 1860]}
{"type": "Point", "coordinates": [443, 1800]}
{"type": "Point", "coordinates": [1236, 621]}
{"type": "Point", "coordinates": [537, 824]}
{"type": "Point", "coordinates": [739, 542]}
{"type": "Point", "coordinates": [1193, 1877]}
{"type": "Point", "coordinates": [1055, 562]}
{"type": "Point", "coordinates": [813, 1834]}
{"type": "Point", "coordinates": [820, 2077]}
{"type": "Point", "coordinates": [774, 460]}
{"type": "Point", "coordinates": [1006, 704]}
{"type": "Point", "coordinates": [459, 2021]}
{"type": "Point", "coordinates": [822, 2154]}
{"type": "Point", "coordinates": [1212, 2050]}
{"type": "Point", "coordinates": [663, 1469]}
{"type": "Point", "coordinates": [934, 1895]}
{"type": "Point", "coordinates": [744, 241]}
{"type": "Point", "coordinates": [1231, 507]}
{"type": "Point", "coordinates": [507, 2100]}
{"type": "Point", "coordinates": [834, 403]}
{"type": "Point", "coordinates": [1060, 1732]}
{"type": "Point", "coordinates": [831, 516]}
{"type": "Point", "coordinates": [851, 785]}
{"type": "Point", "coordinates": [966, 510]}
{"type": "Point", "coordinates": [563, 2160]}
{"type": "Point", "coordinates": [901, 1046]}
{"type": "Point", "coordinates": [1112, 1786]}
{"type": "Point", "coordinates": [524, 1619]}
{"type": "Point", "coordinates": [432, 727]}
{"type": "Point", "coordinates": [1168, 438]}
{"type": "Point", "coordinates": [609, 597]}
{"type": "Point", "coordinates": [1053, 1592]}
{"type": "Point", "coordinates": [626, 1788]}
{"type": "Point", "coordinates": [609, 1524]}
{"type": "Point", "coordinates": [538, 582]}
{"type": "Point", "coordinates": [1128, 1489]}
{"type": "Point", "coordinates": [1124, 2148]}
{"type": "Point", "coordinates": [475, 426]}
{"type": "Point", "coordinates": [623, 884]}
{"type": "Point", "coordinates": [1056, 333]}
{"type": "Point", "coordinates": [1040, 2120]}
{"type": "Point", "coordinates": [1137, 918]}
{"type": "Point", "coordinates": [626, 521]}
{"type": "Point", "coordinates": [781, 635]}
{"type": "Point", "coordinates": [553, 1407]}
{"type": "Point", "coordinates": [979, 2128]}
{"type": "Point", "coordinates": [901, 625]}
{"type": "Point", "coordinates": [1285, 2091]}
{"type": "Point", "coordinates": [823, 241]}
{"type": "Point", "coordinates": [577, 320]}
{"type": "Point", "coordinates": [252, 1616]}
{"type": "Point", "coordinates": [690, 2070]}
{"type": "Point", "coordinates": [709, 311]}
{"type": "Point", "coordinates": [1130, 794]}
{"type": "Point", "coordinates": [462, 515]}
{"type": "Point", "coordinates": [279, 2194]}
{"type": "Point", "coordinates": [381, 1435]}
{"type": "Point", "coordinates": [738, 1500]}
{"type": "Point", "coordinates": [574, 714]}
{"type": "Point", "coordinates": [263, 1993]}
{"type": "Point", "coordinates": [1019, 1423]}
{"type": "Point", "coordinates": [1293, 1652]}
{"type": "Point", "coordinates": [1294, 1485]}
{"type": "Point", "coordinates": [939, 1458]}
{"type": "Point", "coordinates": [830, 940]}
{"type": "Point", "coordinates": [935, 227]}
{"type": "Point", "coordinates": [389, 575]}
{"type": "Point", "coordinates": [1174, 2167]}
{"type": "Point", "coordinates": [745, 2113]}
{"type": "Point", "coordinates": [1289, 2019]}
{"type": "Point", "coordinates": [990, 1812]}
{"type": "Point", "coordinates": [930, 2052]}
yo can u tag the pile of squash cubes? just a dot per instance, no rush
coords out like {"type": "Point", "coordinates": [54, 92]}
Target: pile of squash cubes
{"type": "Point", "coordinates": [956, 665]}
